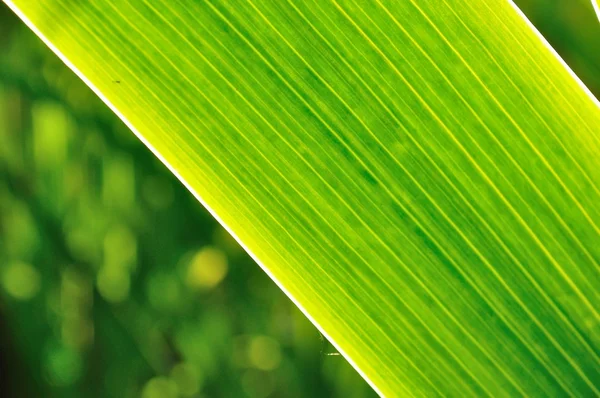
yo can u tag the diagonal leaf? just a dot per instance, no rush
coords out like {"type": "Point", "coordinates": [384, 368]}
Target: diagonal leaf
{"type": "Point", "coordinates": [420, 177]}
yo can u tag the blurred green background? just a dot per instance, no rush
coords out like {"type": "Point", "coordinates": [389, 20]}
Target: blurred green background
{"type": "Point", "coordinates": [115, 282]}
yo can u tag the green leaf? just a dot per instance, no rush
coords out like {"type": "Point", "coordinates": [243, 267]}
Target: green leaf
{"type": "Point", "coordinates": [420, 177]}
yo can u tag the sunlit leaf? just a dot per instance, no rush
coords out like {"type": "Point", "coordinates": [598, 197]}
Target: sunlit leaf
{"type": "Point", "coordinates": [421, 177]}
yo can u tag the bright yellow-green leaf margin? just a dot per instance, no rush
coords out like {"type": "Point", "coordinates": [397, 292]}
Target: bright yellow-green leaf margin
{"type": "Point", "coordinates": [421, 177]}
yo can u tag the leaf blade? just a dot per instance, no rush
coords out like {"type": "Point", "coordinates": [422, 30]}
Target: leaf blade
{"type": "Point", "coordinates": [374, 160]}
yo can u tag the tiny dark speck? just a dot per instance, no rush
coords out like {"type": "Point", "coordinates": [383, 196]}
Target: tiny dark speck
{"type": "Point", "coordinates": [117, 81]}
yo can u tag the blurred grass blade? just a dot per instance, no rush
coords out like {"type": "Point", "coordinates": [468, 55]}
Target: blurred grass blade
{"type": "Point", "coordinates": [421, 177]}
{"type": "Point", "coordinates": [596, 5]}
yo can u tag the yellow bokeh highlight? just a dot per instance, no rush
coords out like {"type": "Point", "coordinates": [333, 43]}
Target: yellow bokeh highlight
{"type": "Point", "coordinates": [207, 268]}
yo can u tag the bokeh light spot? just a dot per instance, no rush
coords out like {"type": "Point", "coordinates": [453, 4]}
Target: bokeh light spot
{"type": "Point", "coordinates": [63, 366]}
{"type": "Point", "coordinates": [160, 387]}
{"type": "Point", "coordinates": [120, 247]}
{"type": "Point", "coordinates": [207, 268]}
{"type": "Point", "coordinates": [21, 280]}
{"type": "Point", "coordinates": [264, 353]}
{"type": "Point", "coordinates": [187, 378]}
{"type": "Point", "coordinates": [113, 284]}
{"type": "Point", "coordinates": [51, 127]}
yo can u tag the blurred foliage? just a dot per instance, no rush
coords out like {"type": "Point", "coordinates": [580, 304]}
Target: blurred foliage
{"type": "Point", "coordinates": [113, 279]}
